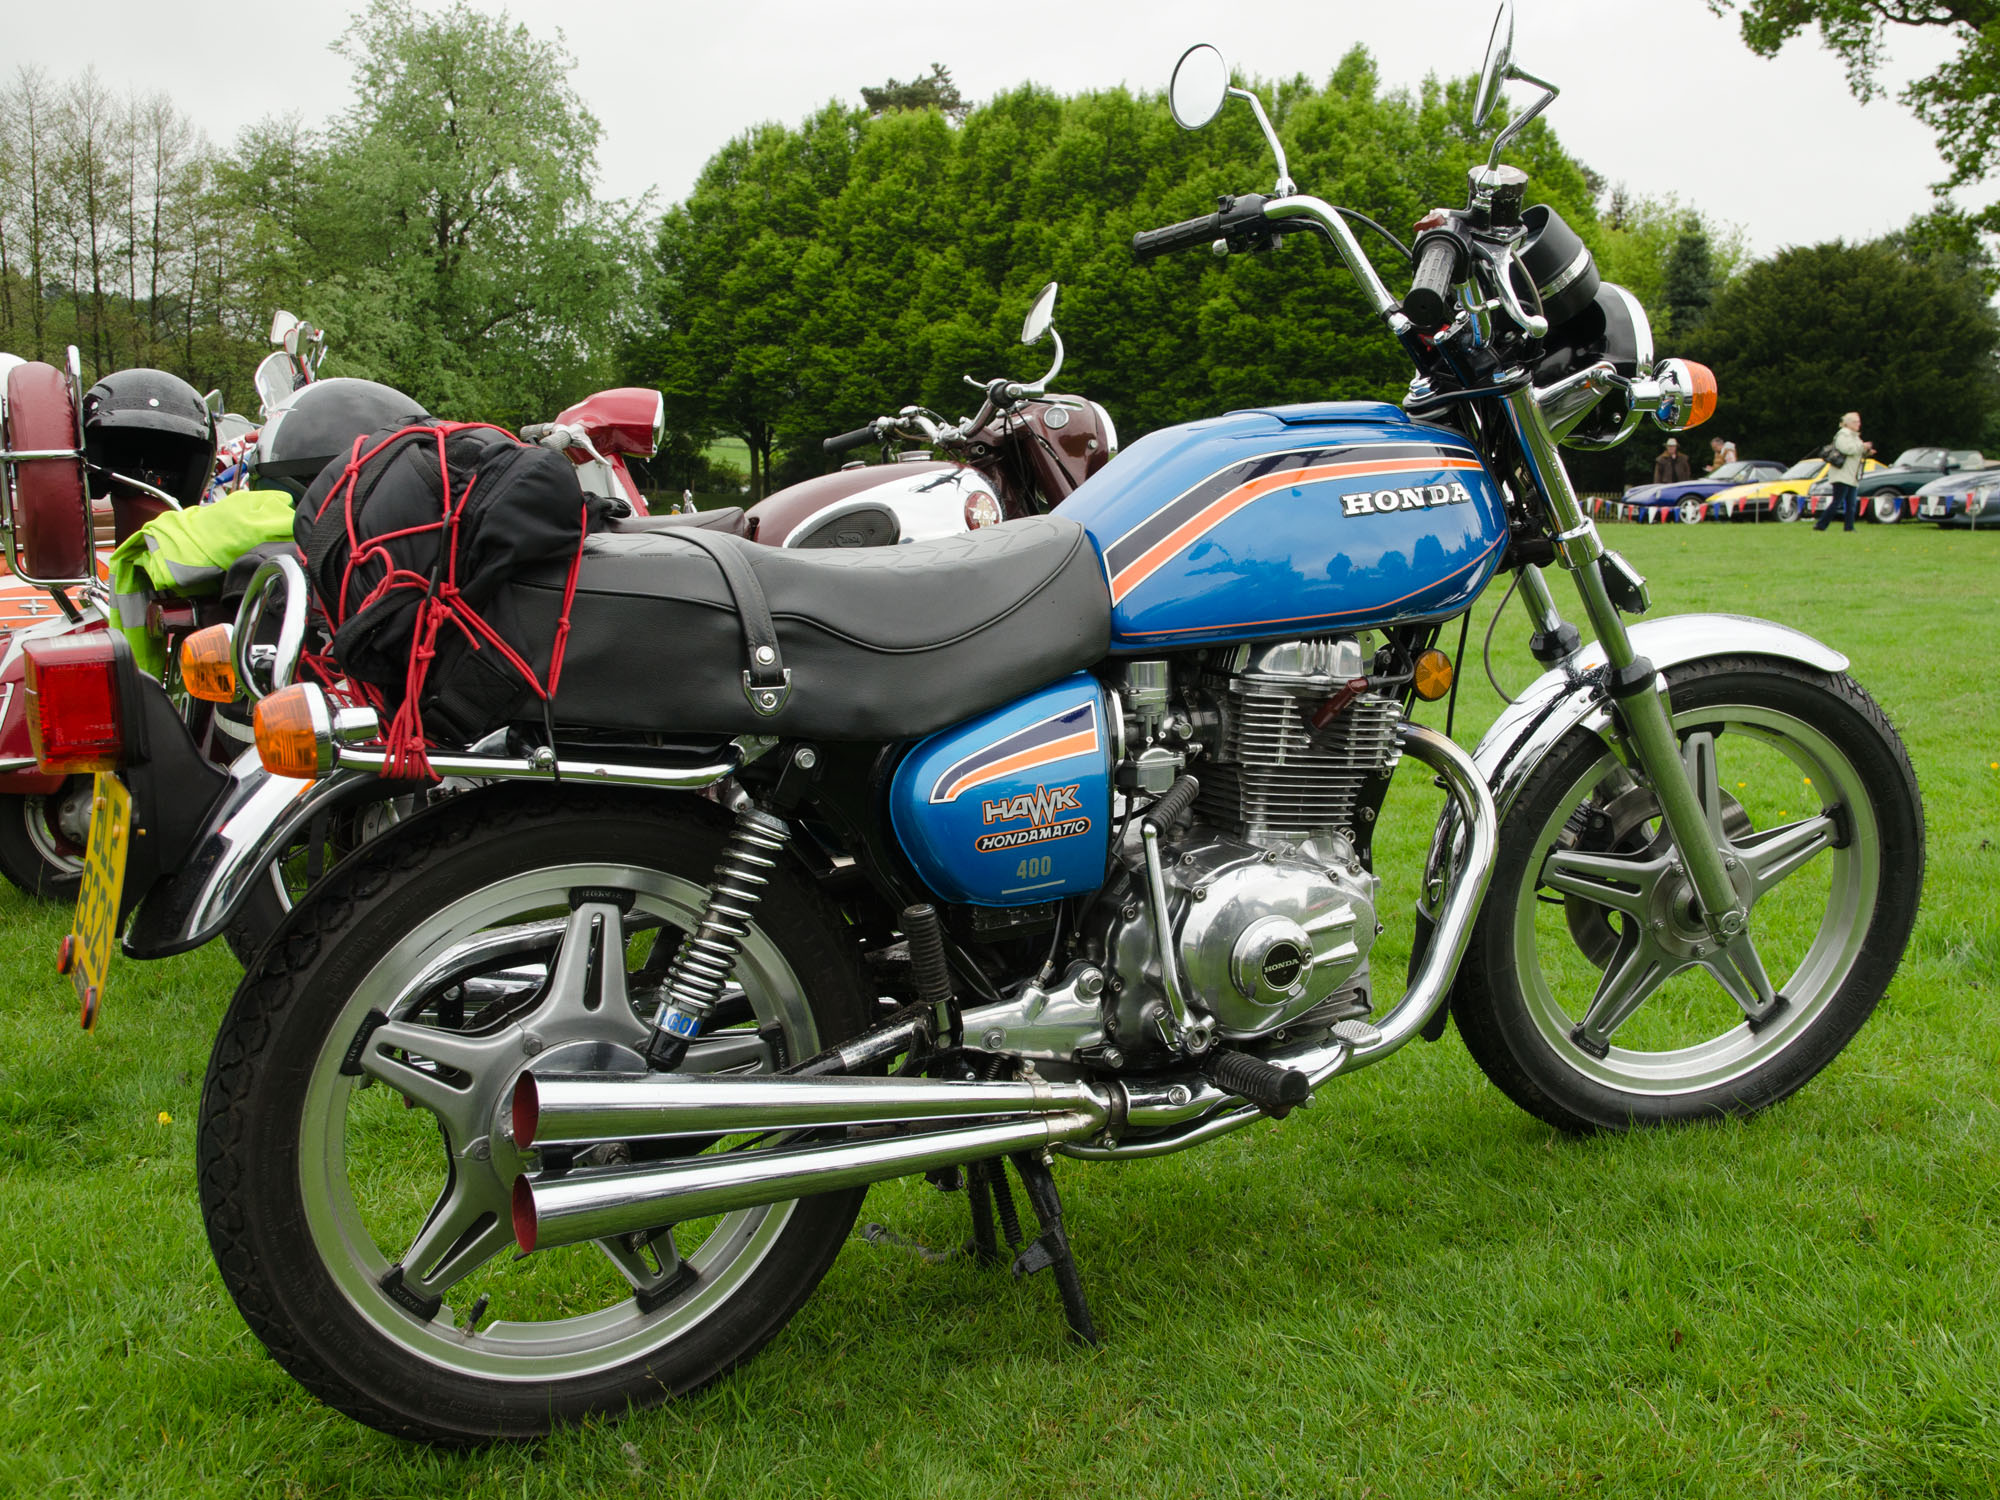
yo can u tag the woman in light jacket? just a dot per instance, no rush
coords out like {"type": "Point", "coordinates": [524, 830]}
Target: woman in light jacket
{"type": "Point", "coordinates": [1847, 473]}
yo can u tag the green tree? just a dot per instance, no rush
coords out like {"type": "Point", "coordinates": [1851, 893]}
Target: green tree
{"type": "Point", "coordinates": [934, 90]}
{"type": "Point", "coordinates": [445, 229]}
{"type": "Point", "coordinates": [1959, 100]}
{"type": "Point", "coordinates": [1689, 281]}
{"type": "Point", "coordinates": [1822, 329]}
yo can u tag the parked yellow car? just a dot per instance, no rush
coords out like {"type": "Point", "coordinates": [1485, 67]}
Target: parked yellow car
{"type": "Point", "coordinates": [1780, 499]}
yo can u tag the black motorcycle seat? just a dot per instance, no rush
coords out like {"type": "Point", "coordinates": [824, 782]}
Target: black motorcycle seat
{"type": "Point", "coordinates": [728, 518]}
{"type": "Point", "coordinates": [883, 643]}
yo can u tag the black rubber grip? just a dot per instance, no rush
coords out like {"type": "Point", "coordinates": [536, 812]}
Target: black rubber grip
{"type": "Point", "coordinates": [1429, 303]}
{"type": "Point", "coordinates": [1275, 1090]}
{"type": "Point", "coordinates": [928, 968]}
{"type": "Point", "coordinates": [1189, 234]}
{"type": "Point", "coordinates": [534, 432]}
{"type": "Point", "coordinates": [1173, 803]}
{"type": "Point", "coordinates": [861, 437]}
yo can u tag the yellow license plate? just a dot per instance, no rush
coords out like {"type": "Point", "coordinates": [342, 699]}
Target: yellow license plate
{"type": "Point", "coordinates": [96, 931]}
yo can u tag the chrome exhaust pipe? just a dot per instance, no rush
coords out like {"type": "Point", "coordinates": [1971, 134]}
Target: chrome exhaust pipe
{"type": "Point", "coordinates": [557, 1108]}
{"type": "Point", "coordinates": [592, 1205]}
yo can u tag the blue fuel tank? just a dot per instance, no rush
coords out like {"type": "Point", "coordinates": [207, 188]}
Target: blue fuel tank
{"type": "Point", "coordinates": [1287, 521]}
{"type": "Point", "coordinates": [1012, 807]}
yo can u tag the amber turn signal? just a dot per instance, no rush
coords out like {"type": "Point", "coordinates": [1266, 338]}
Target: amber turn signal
{"type": "Point", "coordinates": [208, 666]}
{"type": "Point", "coordinates": [1701, 393]}
{"type": "Point", "coordinates": [294, 734]}
{"type": "Point", "coordinates": [1433, 679]}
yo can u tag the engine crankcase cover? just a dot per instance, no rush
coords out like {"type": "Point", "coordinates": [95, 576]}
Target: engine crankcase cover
{"type": "Point", "coordinates": [1266, 934]}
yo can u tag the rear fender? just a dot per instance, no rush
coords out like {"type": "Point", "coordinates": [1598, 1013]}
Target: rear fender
{"type": "Point", "coordinates": [253, 819]}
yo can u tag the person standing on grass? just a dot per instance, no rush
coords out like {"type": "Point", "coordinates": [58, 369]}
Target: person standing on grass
{"type": "Point", "coordinates": [1846, 474]}
{"type": "Point", "coordinates": [1672, 466]}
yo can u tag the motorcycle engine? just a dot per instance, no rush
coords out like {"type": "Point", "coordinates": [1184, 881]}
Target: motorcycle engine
{"type": "Point", "coordinates": [1271, 903]}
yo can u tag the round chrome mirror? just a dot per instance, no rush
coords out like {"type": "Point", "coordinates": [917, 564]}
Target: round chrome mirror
{"type": "Point", "coordinates": [1040, 315]}
{"type": "Point", "coordinates": [1499, 58]}
{"type": "Point", "coordinates": [1200, 84]}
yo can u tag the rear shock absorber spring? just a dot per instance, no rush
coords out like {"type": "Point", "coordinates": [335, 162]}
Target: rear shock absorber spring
{"type": "Point", "coordinates": [708, 953]}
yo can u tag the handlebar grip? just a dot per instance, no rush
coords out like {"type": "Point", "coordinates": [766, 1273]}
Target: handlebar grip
{"type": "Point", "coordinates": [1438, 267]}
{"type": "Point", "coordinates": [534, 432]}
{"type": "Point", "coordinates": [1189, 234]}
{"type": "Point", "coordinates": [859, 438]}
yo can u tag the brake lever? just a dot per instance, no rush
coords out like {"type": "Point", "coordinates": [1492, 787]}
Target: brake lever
{"type": "Point", "coordinates": [1501, 263]}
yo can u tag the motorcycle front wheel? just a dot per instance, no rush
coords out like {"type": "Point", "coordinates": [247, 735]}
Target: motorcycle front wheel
{"type": "Point", "coordinates": [355, 1165]}
{"type": "Point", "coordinates": [1593, 993]}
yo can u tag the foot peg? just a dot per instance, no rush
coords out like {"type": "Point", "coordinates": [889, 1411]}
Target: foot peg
{"type": "Point", "coordinates": [1275, 1090]}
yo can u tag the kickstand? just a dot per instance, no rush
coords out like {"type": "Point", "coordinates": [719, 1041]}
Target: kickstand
{"type": "Point", "coordinates": [1050, 1251]}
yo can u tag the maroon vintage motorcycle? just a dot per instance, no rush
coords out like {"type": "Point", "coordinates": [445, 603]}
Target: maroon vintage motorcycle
{"type": "Point", "coordinates": [1021, 454]}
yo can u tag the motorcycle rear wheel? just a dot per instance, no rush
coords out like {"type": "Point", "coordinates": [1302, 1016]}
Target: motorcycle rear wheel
{"type": "Point", "coordinates": [42, 840]}
{"type": "Point", "coordinates": [1817, 810]}
{"type": "Point", "coordinates": [315, 1180]}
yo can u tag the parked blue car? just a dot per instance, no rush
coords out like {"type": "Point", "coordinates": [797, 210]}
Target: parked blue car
{"type": "Point", "coordinates": [1688, 498]}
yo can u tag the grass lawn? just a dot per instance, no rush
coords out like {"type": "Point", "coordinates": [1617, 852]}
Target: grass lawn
{"type": "Point", "coordinates": [1409, 1289]}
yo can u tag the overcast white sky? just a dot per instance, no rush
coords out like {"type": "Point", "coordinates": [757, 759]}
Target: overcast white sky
{"type": "Point", "coordinates": [1660, 95]}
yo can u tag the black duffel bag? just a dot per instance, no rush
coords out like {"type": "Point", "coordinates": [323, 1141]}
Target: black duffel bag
{"type": "Point", "coordinates": [410, 540]}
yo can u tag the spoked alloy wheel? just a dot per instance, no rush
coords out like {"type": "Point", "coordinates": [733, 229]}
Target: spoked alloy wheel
{"type": "Point", "coordinates": [356, 1181]}
{"type": "Point", "coordinates": [1692, 511]}
{"type": "Point", "coordinates": [43, 837]}
{"type": "Point", "coordinates": [1595, 995]}
{"type": "Point", "coordinates": [1886, 508]}
{"type": "Point", "coordinates": [1786, 507]}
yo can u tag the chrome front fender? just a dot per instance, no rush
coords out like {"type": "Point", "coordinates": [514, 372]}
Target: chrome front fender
{"type": "Point", "coordinates": [1557, 701]}
{"type": "Point", "coordinates": [252, 823]}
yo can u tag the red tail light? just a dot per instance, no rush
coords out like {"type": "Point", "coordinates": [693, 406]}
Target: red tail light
{"type": "Point", "coordinates": [73, 702]}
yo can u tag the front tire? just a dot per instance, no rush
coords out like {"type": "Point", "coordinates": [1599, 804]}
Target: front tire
{"type": "Point", "coordinates": [1604, 1003]}
{"type": "Point", "coordinates": [1885, 508]}
{"type": "Point", "coordinates": [42, 840]}
{"type": "Point", "coordinates": [1786, 507]}
{"type": "Point", "coordinates": [315, 1179]}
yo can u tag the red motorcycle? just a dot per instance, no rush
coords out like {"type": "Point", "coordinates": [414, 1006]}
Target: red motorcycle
{"type": "Point", "coordinates": [1023, 453]}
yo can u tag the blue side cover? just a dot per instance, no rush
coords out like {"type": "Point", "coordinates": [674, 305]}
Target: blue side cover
{"type": "Point", "coordinates": [1291, 521]}
{"type": "Point", "coordinates": [1011, 808]}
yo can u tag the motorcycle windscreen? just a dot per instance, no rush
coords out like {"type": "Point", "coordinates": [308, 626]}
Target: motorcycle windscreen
{"type": "Point", "coordinates": [1011, 808]}
{"type": "Point", "coordinates": [50, 507]}
{"type": "Point", "coordinates": [1291, 521]}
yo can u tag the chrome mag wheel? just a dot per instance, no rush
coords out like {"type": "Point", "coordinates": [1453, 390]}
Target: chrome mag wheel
{"type": "Point", "coordinates": [1603, 999]}
{"type": "Point", "coordinates": [357, 1155]}
{"type": "Point", "coordinates": [1786, 507]}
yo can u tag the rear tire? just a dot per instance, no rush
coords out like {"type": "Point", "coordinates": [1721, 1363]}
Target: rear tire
{"type": "Point", "coordinates": [305, 1238]}
{"type": "Point", "coordinates": [1687, 1051]}
{"type": "Point", "coordinates": [1885, 508]}
{"type": "Point", "coordinates": [1693, 511]}
{"type": "Point", "coordinates": [41, 844]}
{"type": "Point", "coordinates": [1786, 507]}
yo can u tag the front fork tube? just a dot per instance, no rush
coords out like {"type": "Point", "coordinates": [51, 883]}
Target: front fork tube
{"type": "Point", "coordinates": [1637, 693]}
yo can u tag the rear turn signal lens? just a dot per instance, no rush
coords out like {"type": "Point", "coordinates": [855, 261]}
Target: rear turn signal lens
{"type": "Point", "coordinates": [73, 702]}
{"type": "Point", "coordinates": [208, 666]}
{"type": "Point", "coordinates": [294, 732]}
{"type": "Point", "coordinates": [1433, 679]}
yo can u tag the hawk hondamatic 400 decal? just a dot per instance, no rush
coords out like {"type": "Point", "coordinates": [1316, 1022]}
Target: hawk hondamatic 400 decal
{"type": "Point", "coordinates": [1289, 522]}
{"type": "Point", "coordinates": [1009, 809]}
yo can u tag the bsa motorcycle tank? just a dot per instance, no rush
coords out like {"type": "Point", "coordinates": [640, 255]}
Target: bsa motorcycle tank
{"type": "Point", "coordinates": [1011, 808]}
{"type": "Point", "coordinates": [1290, 521]}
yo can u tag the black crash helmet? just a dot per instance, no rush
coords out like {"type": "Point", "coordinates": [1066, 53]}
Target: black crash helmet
{"type": "Point", "coordinates": [149, 426]}
{"type": "Point", "coordinates": [321, 422]}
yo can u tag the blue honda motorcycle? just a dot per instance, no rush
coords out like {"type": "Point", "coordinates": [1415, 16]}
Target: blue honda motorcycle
{"type": "Point", "coordinates": [1052, 839]}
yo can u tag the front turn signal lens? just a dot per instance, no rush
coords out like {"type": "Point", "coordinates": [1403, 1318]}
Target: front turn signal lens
{"type": "Point", "coordinates": [294, 732]}
{"type": "Point", "coordinates": [1433, 679]}
{"type": "Point", "coordinates": [1701, 393]}
{"type": "Point", "coordinates": [208, 664]}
